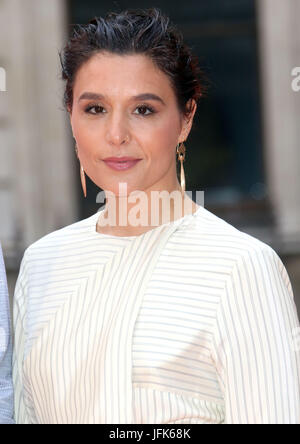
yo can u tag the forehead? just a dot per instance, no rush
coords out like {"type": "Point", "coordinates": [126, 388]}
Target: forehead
{"type": "Point", "coordinates": [109, 73]}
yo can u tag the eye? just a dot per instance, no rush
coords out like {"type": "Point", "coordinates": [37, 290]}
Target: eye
{"type": "Point", "coordinates": [145, 108]}
{"type": "Point", "coordinates": [87, 110]}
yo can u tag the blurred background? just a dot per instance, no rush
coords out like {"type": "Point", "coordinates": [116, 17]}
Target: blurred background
{"type": "Point", "coordinates": [243, 150]}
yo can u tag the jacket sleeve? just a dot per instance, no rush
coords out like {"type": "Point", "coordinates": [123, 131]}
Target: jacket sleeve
{"type": "Point", "coordinates": [19, 328]}
{"type": "Point", "coordinates": [255, 342]}
{"type": "Point", "coordinates": [6, 386]}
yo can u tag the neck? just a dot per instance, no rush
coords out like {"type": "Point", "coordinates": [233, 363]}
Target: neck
{"type": "Point", "coordinates": [131, 216]}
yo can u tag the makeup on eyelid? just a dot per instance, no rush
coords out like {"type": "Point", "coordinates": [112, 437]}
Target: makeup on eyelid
{"type": "Point", "coordinates": [95, 105]}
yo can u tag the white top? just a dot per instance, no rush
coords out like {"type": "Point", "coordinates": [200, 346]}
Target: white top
{"type": "Point", "coordinates": [193, 321]}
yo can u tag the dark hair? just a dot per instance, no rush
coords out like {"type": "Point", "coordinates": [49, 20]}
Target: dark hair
{"type": "Point", "coordinates": [136, 31]}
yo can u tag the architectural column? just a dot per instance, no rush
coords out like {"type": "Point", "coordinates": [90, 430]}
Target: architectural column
{"type": "Point", "coordinates": [279, 47]}
{"type": "Point", "coordinates": [38, 159]}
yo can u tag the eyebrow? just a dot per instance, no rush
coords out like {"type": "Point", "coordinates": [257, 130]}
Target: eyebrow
{"type": "Point", "coordinates": [144, 96]}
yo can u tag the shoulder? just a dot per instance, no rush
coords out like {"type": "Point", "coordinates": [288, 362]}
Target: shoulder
{"type": "Point", "coordinates": [237, 246]}
{"type": "Point", "coordinates": [61, 239]}
{"type": "Point", "coordinates": [254, 274]}
{"type": "Point", "coordinates": [251, 262]}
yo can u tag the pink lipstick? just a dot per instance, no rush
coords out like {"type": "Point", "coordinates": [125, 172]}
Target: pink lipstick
{"type": "Point", "coordinates": [121, 163]}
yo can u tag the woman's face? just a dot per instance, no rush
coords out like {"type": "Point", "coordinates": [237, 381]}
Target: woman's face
{"type": "Point", "coordinates": [120, 124]}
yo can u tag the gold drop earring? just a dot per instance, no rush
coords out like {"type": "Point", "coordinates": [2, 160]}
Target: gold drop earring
{"type": "Point", "coordinates": [82, 174]}
{"type": "Point", "coordinates": [180, 149]}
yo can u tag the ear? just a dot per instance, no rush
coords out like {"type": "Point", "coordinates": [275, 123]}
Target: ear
{"type": "Point", "coordinates": [70, 117]}
{"type": "Point", "coordinates": [188, 121]}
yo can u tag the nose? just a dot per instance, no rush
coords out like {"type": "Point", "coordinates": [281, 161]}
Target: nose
{"type": "Point", "coordinates": [117, 132]}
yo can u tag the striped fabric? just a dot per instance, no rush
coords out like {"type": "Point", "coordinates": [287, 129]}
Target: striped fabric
{"type": "Point", "coordinates": [6, 386]}
{"type": "Point", "coordinates": [191, 322]}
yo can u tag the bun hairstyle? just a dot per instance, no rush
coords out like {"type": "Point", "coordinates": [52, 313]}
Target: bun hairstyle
{"type": "Point", "coordinates": [136, 31]}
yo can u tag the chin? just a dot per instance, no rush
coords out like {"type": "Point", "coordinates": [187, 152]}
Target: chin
{"type": "Point", "coordinates": [119, 190]}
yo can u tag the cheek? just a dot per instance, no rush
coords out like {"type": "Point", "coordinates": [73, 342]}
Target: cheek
{"type": "Point", "coordinates": [169, 127]}
{"type": "Point", "coordinates": [164, 138]}
{"type": "Point", "coordinates": [165, 125]}
{"type": "Point", "coordinates": [85, 135]}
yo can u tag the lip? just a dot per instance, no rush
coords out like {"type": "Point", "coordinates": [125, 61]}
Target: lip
{"type": "Point", "coordinates": [119, 159]}
{"type": "Point", "coordinates": [121, 165]}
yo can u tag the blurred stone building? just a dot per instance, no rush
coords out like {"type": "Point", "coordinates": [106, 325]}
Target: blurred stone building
{"type": "Point", "coordinates": [39, 174]}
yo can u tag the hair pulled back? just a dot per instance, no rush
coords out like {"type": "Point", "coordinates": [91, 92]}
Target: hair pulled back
{"type": "Point", "coordinates": [136, 31]}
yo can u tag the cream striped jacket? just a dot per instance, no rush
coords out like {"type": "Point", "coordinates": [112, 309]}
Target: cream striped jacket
{"type": "Point", "coordinates": [193, 321]}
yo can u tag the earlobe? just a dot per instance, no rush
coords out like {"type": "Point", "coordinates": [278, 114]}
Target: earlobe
{"type": "Point", "coordinates": [70, 112]}
{"type": "Point", "coordinates": [70, 117]}
{"type": "Point", "coordinates": [193, 108]}
{"type": "Point", "coordinates": [189, 119]}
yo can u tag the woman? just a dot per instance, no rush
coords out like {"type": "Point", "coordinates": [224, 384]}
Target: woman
{"type": "Point", "coordinates": [6, 385]}
{"type": "Point", "coordinates": [187, 321]}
